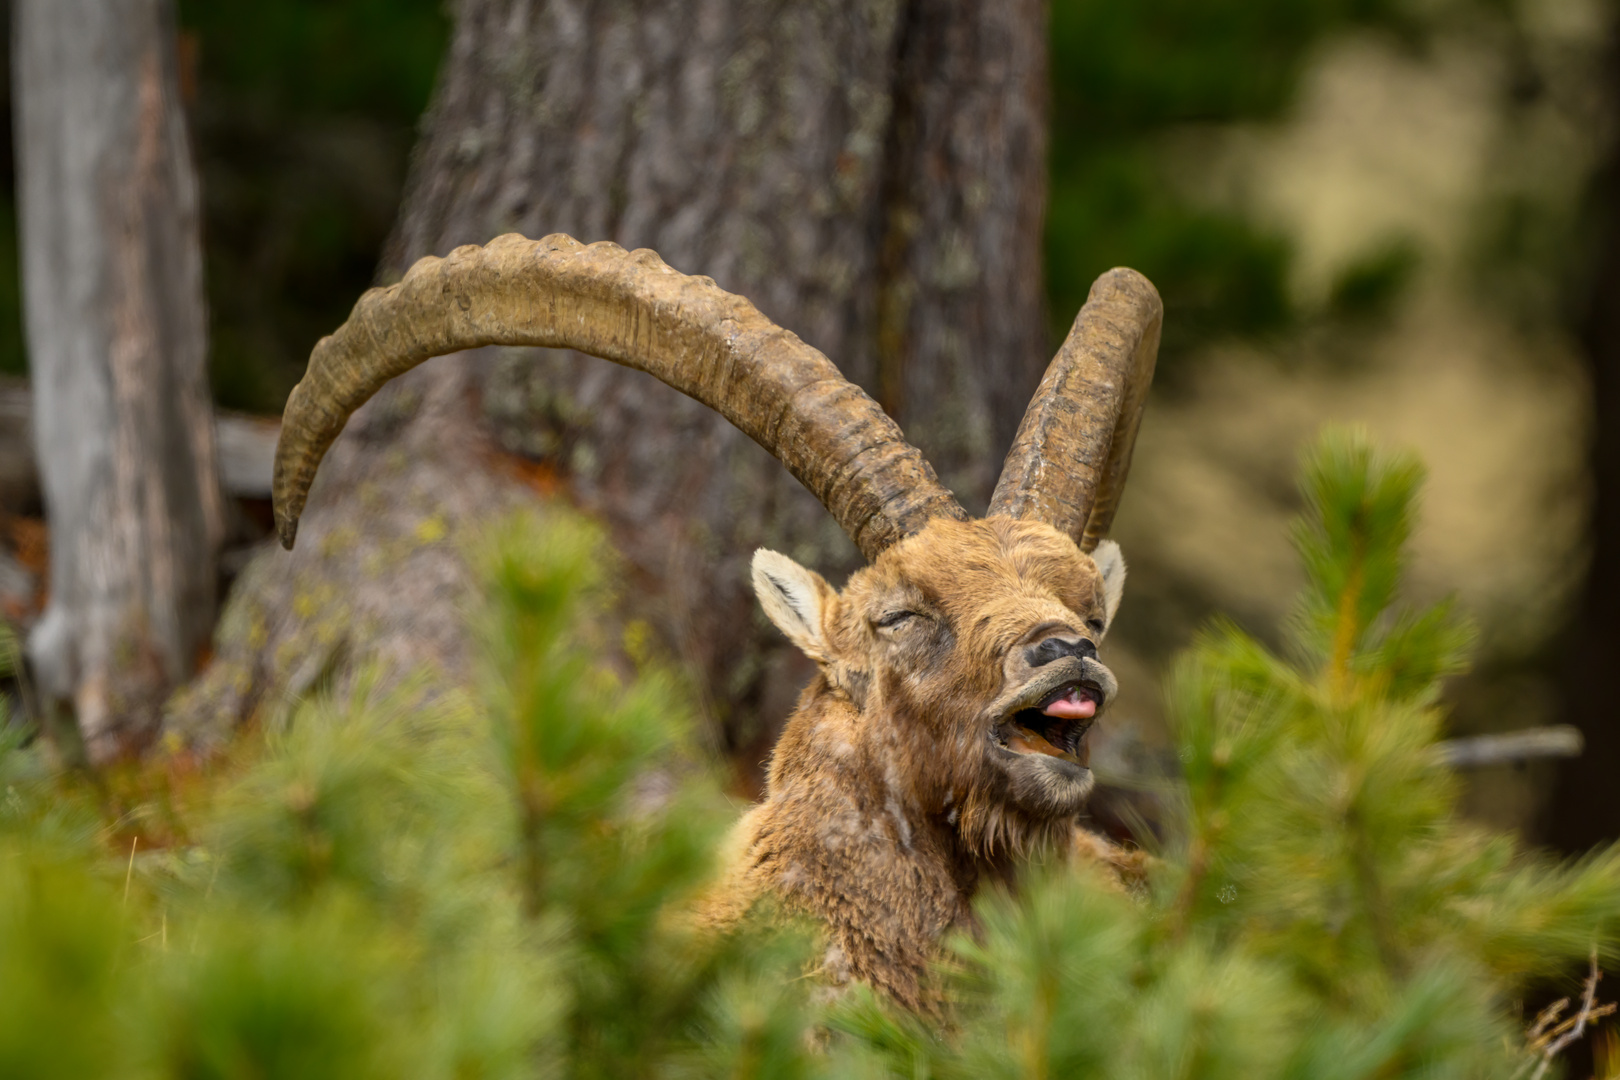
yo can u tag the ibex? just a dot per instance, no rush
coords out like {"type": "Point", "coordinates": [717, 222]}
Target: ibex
{"type": "Point", "coordinates": [946, 732]}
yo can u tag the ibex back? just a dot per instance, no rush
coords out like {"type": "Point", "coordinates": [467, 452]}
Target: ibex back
{"type": "Point", "coordinates": [946, 734]}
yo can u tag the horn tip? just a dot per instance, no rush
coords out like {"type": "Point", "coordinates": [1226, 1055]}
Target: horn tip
{"type": "Point", "coordinates": [286, 529]}
{"type": "Point", "coordinates": [1134, 282]}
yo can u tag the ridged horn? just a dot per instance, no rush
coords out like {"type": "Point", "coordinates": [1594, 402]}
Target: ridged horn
{"type": "Point", "coordinates": [1067, 465]}
{"type": "Point", "coordinates": [632, 309]}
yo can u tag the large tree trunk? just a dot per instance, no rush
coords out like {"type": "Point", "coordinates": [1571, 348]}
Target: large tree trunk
{"type": "Point", "coordinates": [112, 279]}
{"type": "Point", "coordinates": [870, 174]}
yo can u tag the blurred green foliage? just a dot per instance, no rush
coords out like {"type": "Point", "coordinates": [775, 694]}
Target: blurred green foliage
{"type": "Point", "coordinates": [314, 58]}
{"type": "Point", "coordinates": [1369, 285]}
{"type": "Point", "coordinates": [435, 884]}
{"type": "Point", "coordinates": [1127, 81]}
{"type": "Point", "coordinates": [304, 112]}
{"type": "Point", "coordinates": [401, 883]}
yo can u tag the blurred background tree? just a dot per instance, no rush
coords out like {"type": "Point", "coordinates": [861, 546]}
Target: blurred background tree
{"type": "Point", "coordinates": [117, 332]}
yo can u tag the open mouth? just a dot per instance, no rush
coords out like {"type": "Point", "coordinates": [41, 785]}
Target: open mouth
{"type": "Point", "coordinates": [1057, 726]}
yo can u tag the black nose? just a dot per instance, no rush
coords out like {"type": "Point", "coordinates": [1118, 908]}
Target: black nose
{"type": "Point", "coordinates": [1056, 648]}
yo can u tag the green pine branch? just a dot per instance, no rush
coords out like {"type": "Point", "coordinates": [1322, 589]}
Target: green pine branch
{"type": "Point", "coordinates": [425, 884]}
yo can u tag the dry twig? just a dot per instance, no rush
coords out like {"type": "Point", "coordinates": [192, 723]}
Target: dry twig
{"type": "Point", "coordinates": [1547, 1038]}
{"type": "Point", "coordinates": [1544, 1019]}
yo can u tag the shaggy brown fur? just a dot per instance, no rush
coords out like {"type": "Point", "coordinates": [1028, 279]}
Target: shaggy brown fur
{"type": "Point", "coordinates": [893, 793]}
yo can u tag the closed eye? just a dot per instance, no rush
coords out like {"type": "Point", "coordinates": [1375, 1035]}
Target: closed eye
{"type": "Point", "coordinates": [1094, 625]}
{"type": "Point", "coordinates": [894, 618]}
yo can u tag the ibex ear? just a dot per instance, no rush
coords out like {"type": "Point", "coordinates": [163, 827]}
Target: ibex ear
{"type": "Point", "coordinates": [1111, 564]}
{"type": "Point", "coordinates": [795, 599]}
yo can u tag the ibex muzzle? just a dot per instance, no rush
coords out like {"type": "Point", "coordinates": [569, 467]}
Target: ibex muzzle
{"type": "Point", "coordinates": [947, 731]}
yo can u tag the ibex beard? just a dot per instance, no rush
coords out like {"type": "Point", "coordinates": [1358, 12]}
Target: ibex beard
{"type": "Point", "coordinates": [945, 736]}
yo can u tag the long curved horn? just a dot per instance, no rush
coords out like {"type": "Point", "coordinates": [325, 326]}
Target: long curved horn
{"type": "Point", "coordinates": [628, 307]}
{"type": "Point", "coordinates": [1067, 466]}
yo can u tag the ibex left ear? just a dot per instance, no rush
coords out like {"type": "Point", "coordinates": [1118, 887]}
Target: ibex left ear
{"type": "Point", "coordinates": [795, 599]}
{"type": "Point", "coordinates": [1111, 564]}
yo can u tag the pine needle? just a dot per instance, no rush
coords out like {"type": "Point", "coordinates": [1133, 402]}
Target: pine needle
{"type": "Point", "coordinates": [129, 872]}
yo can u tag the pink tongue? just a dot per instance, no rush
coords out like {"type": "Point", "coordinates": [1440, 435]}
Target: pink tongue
{"type": "Point", "coordinates": [1071, 706]}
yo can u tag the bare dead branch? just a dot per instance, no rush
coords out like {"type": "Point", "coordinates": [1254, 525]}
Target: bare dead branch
{"type": "Point", "coordinates": [1549, 1044]}
{"type": "Point", "coordinates": [246, 447]}
{"type": "Point", "coordinates": [1556, 741]}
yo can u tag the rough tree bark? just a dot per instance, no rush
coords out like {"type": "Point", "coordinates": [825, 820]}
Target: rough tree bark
{"type": "Point", "coordinates": [870, 173]}
{"type": "Point", "coordinates": [112, 280]}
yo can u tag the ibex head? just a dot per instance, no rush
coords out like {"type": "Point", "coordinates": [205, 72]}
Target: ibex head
{"type": "Point", "coordinates": [974, 645]}
{"type": "Point", "coordinates": [959, 668]}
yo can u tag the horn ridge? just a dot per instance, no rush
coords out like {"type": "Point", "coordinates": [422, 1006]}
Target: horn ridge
{"type": "Point", "coordinates": [1068, 463]}
{"type": "Point", "coordinates": [633, 309]}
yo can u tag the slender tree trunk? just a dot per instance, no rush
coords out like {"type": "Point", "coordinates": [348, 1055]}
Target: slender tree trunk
{"type": "Point", "coordinates": [1582, 809]}
{"type": "Point", "coordinates": [112, 279]}
{"type": "Point", "coordinates": [870, 174]}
